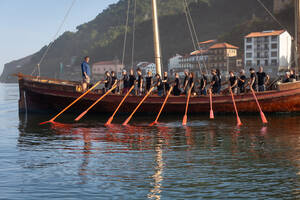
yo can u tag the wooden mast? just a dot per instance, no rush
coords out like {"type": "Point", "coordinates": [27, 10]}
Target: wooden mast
{"type": "Point", "coordinates": [157, 51]}
{"type": "Point", "coordinates": [297, 35]}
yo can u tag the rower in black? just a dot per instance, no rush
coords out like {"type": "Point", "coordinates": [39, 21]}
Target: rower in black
{"type": "Point", "coordinates": [215, 82]}
{"type": "Point", "coordinates": [107, 82]}
{"type": "Point", "coordinates": [114, 81]}
{"type": "Point", "coordinates": [125, 82]}
{"type": "Point", "coordinates": [140, 82]}
{"type": "Point", "coordinates": [233, 82]}
{"type": "Point", "coordinates": [253, 79]}
{"type": "Point", "coordinates": [132, 79]}
{"type": "Point", "coordinates": [166, 84]}
{"type": "Point", "coordinates": [262, 79]}
{"type": "Point", "coordinates": [191, 83]}
{"type": "Point", "coordinates": [149, 81]}
{"type": "Point", "coordinates": [159, 85]}
{"type": "Point", "coordinates": [242, 81]}
{"type": "Point", "coordinates": [176, 89]}
{"type": "Point", "coordinates": [203, 83]}
{"type": "Point", "coordinates": [185, 82]}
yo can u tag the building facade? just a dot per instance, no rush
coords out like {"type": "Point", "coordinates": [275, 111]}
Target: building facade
{"type": "Point", "coordinates": [223, 56]}
{"type": "Point", "coordinates": [270, 49]}
{"type": "Point", "coordinates": [147, 67]}
{"type": "Point", "coordinates": [100, 68]}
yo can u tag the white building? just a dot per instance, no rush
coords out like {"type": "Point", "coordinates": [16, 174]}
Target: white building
{"type": "Point", "coordinates": [270, 49]}
{"type": "Point", "coordinates": [146, 67]}
{"type": "Point", "coordinates": [174, 63]}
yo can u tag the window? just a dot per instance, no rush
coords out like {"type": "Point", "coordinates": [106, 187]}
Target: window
{"type": "Point", "coordinates": [249, 55]}
{"type": "Point", "coordinates": [248, 62]}
{"type": "Point", "coordinates": [274, 62]}
{"type": "Point", "coordinates": [274, 38]}
{"type": "Point", "coordinates": [266, 39]}
{"type": "Point", "coordinates": [274, 53]}
{"type": "Point", "coordinates": [258, 62]}
{"type": "Point", "coordinates": [249, 47]}
{"type": "Point", "coordinates": [258, 54]}
{"type": "Point", "coordinates": [249, 40]}
{"type": "Point", "coordinates": [274, 46]}
{"type": "Point", "coordinates": [266, 46]}
{"type": "Point", "coordinates": [266, 62]}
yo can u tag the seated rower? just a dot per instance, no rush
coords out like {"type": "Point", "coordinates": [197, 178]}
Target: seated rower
{"type": "Point", "coordinates": [233, 82]}
{"type": "Point", "coordinates": [287, 78]}
{"type": "Point", "coordinates": [176, 89]}
{"type": "Point", "coordinates": [159, 85]}
{"type": "Point", "coordinates": [293, 76]}
{"type": "Point", "coordinates": [166, 83]}
{"type": "Point", "coordinates": [185, 81]}
{"type": "Point", "coordinates": [132, 79]}
{"type": "Point", "coordinates": [191, 84]}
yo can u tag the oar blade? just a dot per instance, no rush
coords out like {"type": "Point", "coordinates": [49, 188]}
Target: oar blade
{"type": "Point", "coordinates": [47, 122]}
{"type": "Point", "coordinates": [153, 123]}
{"type": "Point", "coordinates": [263, 118]}
{"type": "Point", "coordinates": [184, 120]}
{"type": "Point", "coordinates": [109, 121]}
{"type": "Point", "coordinates": [239, 123]}
{"type": "Point", "coordinates": [211, 115]}
{"type": "Point", "coordinates": [80, 116]}
{"type": "Point", "coordinates": [126, 122]}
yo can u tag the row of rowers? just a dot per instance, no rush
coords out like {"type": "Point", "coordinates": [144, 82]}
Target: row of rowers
{"type": "Point", "coordinates": [238, 84]}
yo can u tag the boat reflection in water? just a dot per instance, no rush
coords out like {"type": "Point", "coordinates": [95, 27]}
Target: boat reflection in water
{"type": "Point", "coordinates": [199, 160]}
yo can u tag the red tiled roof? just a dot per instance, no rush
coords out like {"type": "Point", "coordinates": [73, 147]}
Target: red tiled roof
{"type": "Point", "coordinates": [207, 42]}
{"type": "Point", "coordinates": [265, 33]}
{"type": "Point", "coordinates": [198, 52]}
{"type": "Point", "coordinates": [223, 46]}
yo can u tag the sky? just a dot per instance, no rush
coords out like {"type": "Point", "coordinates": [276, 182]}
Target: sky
{"type": "Point", "coordinates": [27, 25]}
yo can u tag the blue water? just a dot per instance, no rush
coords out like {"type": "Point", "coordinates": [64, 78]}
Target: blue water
{"type": "Point", "coordinates": [205, 160]}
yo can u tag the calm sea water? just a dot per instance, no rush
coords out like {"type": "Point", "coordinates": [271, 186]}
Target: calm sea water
{"type": "Point", "coordinates": [205, 160]}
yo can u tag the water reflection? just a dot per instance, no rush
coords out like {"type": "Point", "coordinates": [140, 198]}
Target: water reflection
{"type": "Point", "coordinates": [207, 156]}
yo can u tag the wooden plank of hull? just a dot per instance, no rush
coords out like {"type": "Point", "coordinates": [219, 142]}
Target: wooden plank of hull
{"type": "Point", "coordinates": [43, 96]}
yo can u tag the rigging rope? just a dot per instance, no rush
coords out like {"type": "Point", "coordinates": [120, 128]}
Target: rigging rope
{"type": "Point", "coordinates": [269, 12]}
{"type": "Point", "coordinates": [126, 32]}
{"type": "Point", "coordinates": [133, 34]}
{"type": "Point", "coordinates": [193, 34]}
{"type": "Point", "coordinates": [55, 36]}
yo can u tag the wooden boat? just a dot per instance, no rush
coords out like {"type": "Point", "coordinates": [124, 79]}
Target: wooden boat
{"type": "Point", "coordinates": [44, 95]}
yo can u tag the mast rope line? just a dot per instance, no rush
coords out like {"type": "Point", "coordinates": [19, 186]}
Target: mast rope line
{"type": "Point", "coordinates": [193, 33]}
{"type": "Point", "coordinates": [126, 32]}
{"type": "Point", "coordinates": [133, 34]}
{"type": "Point", "coordinates": [52, 42]}
{"type": "Point", "coordinates": [270, 13]}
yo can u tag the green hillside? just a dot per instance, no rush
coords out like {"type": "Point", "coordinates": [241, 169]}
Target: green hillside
{"type": "Point", "coordinates": [102, 38]}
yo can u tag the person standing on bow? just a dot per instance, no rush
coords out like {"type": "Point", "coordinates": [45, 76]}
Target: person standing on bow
{"type": "Point", "coordinates": [149, 81]}
{"type": "Point", "coordinates": [140, 82]}
{"type": "Point", "coordinates": [262, 79]}
{"type": "Point", "coordinates": [86, 73]}
{"type": "Point", "coordinates": [232, 82]}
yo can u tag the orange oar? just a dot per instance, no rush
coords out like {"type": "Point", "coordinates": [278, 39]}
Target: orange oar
{"type": "Point", "coordinates": [84, 113]}
{"type": "Point", "coordinates": [239, 123]}
{"type": "Point", "coordinates": [211, 116]}
{"type": "Point", "coordinates": [184, 120]}
{"type": "Point", "coordinates": [112, 117]}
{"type": "Point", "coordinates": [162, 107]}
{"type": "Point", "coordinates": [52, 120]}
{"type": "Point", "coordinates": [262, 115]}
{"type": "Point", "coordinates": [145, 97]}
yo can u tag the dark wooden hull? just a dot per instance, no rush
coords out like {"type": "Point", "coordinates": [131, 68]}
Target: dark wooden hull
{"type": "Point", "coordinates": [40, 95]}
